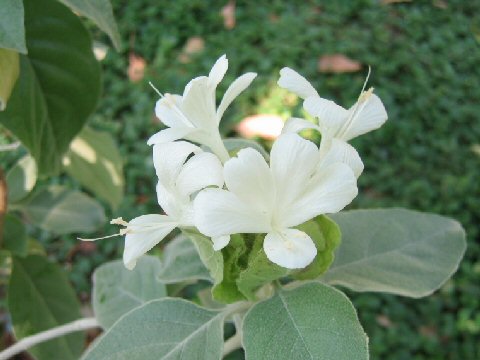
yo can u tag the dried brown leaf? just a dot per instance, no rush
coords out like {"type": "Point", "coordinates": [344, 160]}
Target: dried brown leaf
{"type": "Point", "coordinates": [338, 63]}
{"type": "Point", "coordinates": [228, 14]}
{"type": "Point", "coordinates": [193, 46]}
{"type": "Point", "coordinates": [136, 67]}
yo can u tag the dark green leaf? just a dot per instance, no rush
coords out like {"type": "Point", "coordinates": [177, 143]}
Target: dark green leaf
{"type": "Point", "coordinates": [14, 235]}
{"type": "Point", "coordinates": [21, 179]}
{"type": "Point", "coordinates": [59, 83]}
{"type": "Point", "coordinates": [41, 298]}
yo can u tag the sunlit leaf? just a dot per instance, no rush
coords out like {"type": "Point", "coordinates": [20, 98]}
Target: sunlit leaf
{"type": "Point", "coordinates": [9, 71]}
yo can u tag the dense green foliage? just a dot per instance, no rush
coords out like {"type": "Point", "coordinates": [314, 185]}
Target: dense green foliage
{"type": "Point", "coordinates": [424, 57]}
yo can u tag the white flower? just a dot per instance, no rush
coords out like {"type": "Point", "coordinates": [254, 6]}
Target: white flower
{"type": "Point", "coordinates": [336, 124]}
{"type": "Point", "coordinates": [194, 116]}
{"type": "Point", "coordinates": [179, 178]}
{"type": "Point", "coordinates": [295, 188]}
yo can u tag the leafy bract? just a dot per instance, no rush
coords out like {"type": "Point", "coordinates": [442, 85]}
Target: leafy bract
{"type": "Point", "coordinates": [398, 251]}
{"type": "Point", "coordinates": [94, 160]}
{"type": "Point", "coordinates": [163, 329]}
{"type": "Point", "coordinates": [313, 321]}
{"type": "Point", "coordinates": [9, 70]}
{"type": "Point", "coordinates": [181, 262]}
{"type": "Point", "coordinates": [100, 12]}
{"type": "Point", "coordinates": [21, 179]}
{"type": "Point", "coordinates": [12, 30]}
{"type": "Point", "coordinates": [40, 298]}
{"type": "Point", "coordinates": [234, 145]}
{"type": "Point", "coordinates": [117, 290]}
{"type": "Point", "coordinates": [59, 83]}
{"type": "Point", "coordinates": [63, 211]}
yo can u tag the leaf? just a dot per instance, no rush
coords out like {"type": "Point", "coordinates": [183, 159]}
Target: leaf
{"type": "Point", "coordinates": [12, 30]}
{"type": "Point", "coordinates": [117, 290]}
{"type": "Point", "coordinates": [213, 260]}
{"type": "Point", "coordinates": [14, 235]}
{"type": "Point", "coordinates": [163, 329]}
{"type": "Point", "coordinates": [9, 71]}
{"type": "Point", "coordinates": [101, 13]}
{"type": "Point", "coordinates": [181, 262]}
{"type": "Point", "coordinates": [397, 251]}
{"type": "Point", "coordinates": [259, 270]}
{"type": "Point", "coordinates": [326, 236]}
{"type": "Point", "coordinates": [21, 179]}
{"type": "Point", "coordinates": [63, 211]}
{"type": "Point", "coordinates": [337, 63]}
{"type": "Point", "coordinates": [40, 298]}
{"type": "Point", "coordinates": [94, 160]}
{"type": "Point", "coordinates": [313, 321]}
{"type": "Point", "coordinates": [58, 87]}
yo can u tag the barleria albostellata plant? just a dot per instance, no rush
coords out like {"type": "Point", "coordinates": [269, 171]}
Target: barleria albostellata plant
{"type": "Point", "coordinates": [267, 233]}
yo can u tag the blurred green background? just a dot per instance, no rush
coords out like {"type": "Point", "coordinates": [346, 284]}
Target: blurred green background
{"type": "Point", "coordinates": [425, 59]}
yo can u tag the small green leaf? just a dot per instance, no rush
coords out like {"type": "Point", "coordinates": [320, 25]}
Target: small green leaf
{"type": "Point", "coordinates": [94, 160]}
{"type": "Point", "coordinates": [313, 321]}
{"type": "Point", "coordinates": [117, 290]}
{"type": "Point", "coordinates": [9, 71]}
{"type": "Point", "coordinates": [326, 236]}
{"type": "Point", "coordinates": [213, 260]}
{"type": "Point", "coordinates": [235, 256]}
{"type": "Point", "coordinates": [259, 270]}
{"type": "Point", "coordinates": [40, 298]}
{"type": "Point", "coordinates": [63, 211]}
{"type": "Point", "coordinates": [59, 83]}
{"type": "Point", "coordinates": [181, 262]}
{"type": "Point", "coordinates": [100, 12]}
{"type": "Point", "coordinates": [12, 30]}
{"type": "Point", "coordinates": [398, 251]}
{"type": "Point", "coordinates": [21, 179]}
{"type": "Point", "coordinates": [234, 145]}
{"type": "Point", "coordinates": [163, 329]}
{"type": "Point", "coordinates": [15, 235]}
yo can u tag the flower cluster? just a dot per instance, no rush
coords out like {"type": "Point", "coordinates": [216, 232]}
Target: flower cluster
{"type": "Point", "coordinates": [203, 188]}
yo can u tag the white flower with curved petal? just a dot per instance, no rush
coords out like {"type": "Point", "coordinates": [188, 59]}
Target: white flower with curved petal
{"type": "Point", "coordinates": [336, 124]}
{"type": "Point", "coordinates": [180, 177]}
{"type": "Point", "coordinates": [260, 198]}
{"type": "Point", "coordinates": [194, 115]}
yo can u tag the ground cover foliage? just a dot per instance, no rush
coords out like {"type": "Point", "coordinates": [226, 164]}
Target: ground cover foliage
{"type": "Point", "coordinates": [424, 57]}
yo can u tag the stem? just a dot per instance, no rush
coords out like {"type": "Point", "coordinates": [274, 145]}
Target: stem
{"type": "Point", "coordinates": [3, 202]}
{"type": "Point", "coordinates": [29, 341]}
{"type": "Point", "coordinates": [232, 344]}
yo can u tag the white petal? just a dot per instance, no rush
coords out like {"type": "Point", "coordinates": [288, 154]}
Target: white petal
{"type": "Point", "coordinates": [220, 212]}
{"type": "Point", "coordinates": [198, 104]}
{"type": "Point", "coordinates": [218, 71]}
{"type": "Point", "coordinates": [293, 160]}
{"type": "Point", "coordinates": [371, 114]}
{"type": "Point", "coordinates": [327, 192]}
{"type": "Point", "coordinates": [296, 83]}
{"type": "Point", "coordinates": [145, 232]}
{"type": "Point", "coordinates": [200, 171]}
{"type": "Point", "coordinates": [249, 178]}
{"type": "Point", "coordinates": [331, 117]}
{"type": "Point", "coordinates": [235, 89]}
{"type": "Point", "coordinates": [170, 134]}
{"type": "Point", "coordinates": [169, 158]}
{"type": "Point", "coordinates": [169, 200]}
{"type": "Point", "coordinates": [167, 110]}
{"type": "Point", "coordinates": [340, 151]}
{"type": "Point", "coordinates": [290, 248]}
{"type": "Point", "coordinates": [295, 125]}
{"type": "Point", "coordinates": [220, 242]}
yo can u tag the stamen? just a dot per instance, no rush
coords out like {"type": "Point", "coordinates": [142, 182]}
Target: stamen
{"type": "Point", "coordinates": [155, 89]}
{"type": "Point", "coordinates": [104, 237]}
{"type": "Point", "coordinates": [119, 221]}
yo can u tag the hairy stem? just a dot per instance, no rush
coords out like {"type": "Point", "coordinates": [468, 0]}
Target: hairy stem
{"type": "Point", "coordinates": [28, 342]}
{"type": "Point", "coordinates": [232, 344]}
